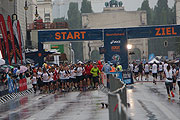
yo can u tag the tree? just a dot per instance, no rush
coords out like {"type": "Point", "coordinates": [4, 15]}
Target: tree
{"type": "Point", "coordinates": [75, 22]}
{"type": "Point", "coordinates": [74, 16]}
{"type": "Point", "coordinates": [62, 19]}
{"type": "Point", "coordinates": [86, 7]}
{"type": "Point", "coordinates": [145, 6]}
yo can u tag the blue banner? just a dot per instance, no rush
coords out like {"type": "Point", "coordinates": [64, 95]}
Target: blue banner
{"type": "Point", "coordinates": [70, 35]}
{"type": "Point", "coordinates": [153, 31]}
{"type": "Point", "coordinates": [115, 43]}
{"type": "Point", "coordinates": [11, 87]}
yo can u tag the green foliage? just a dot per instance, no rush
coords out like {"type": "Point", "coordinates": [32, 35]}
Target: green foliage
{"type": "Point", "coordinates": [63, 19]}
{"type": "Point", "coordinates": [86, 7]}
{"type": "Point", "coordinates": [74, 16]}
{"type": "Point", "coordinates": [145, 6]}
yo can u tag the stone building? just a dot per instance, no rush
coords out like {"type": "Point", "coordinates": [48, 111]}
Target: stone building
{"type": "Point", "coordinates": [178, 11]}
{"type": "Point", "coordinates": [115, 17]}
{"type": "Point", "coordinates": [45, 10]}
{"type": "Point", "coordinates": [9, 7]}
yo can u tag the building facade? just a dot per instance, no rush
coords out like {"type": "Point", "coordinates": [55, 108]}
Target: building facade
{"type": "Point", "coordinates": [178, 12]}
{"type": "Point", "coordinates": [9, 7]}
{"type": "Point", "coordinates": [45, 10]}
{"type": "Point", "coordinates": [115, 17]}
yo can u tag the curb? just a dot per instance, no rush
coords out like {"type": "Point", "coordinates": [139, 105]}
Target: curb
{"type": "Point", "coordinates": [12, 96]}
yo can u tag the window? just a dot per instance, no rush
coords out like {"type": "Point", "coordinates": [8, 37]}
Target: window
{"type": "Point", "coordinates": [165, 43]}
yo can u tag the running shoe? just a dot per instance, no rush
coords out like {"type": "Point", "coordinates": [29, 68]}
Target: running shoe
{"type": "Point", "coordinates": [169, 97]}
{"type": "Point", "coordinates": [172, 93]}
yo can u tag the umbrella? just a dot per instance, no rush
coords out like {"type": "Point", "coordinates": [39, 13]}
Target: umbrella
{"type": "Point", "coordinates": [23, 69]}
{"type": "Point", "coordinates": [2, 61]}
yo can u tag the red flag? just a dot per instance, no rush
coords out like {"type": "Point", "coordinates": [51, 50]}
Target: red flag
{"type": "Point", "coordinates": [19, 37]}
{"type": "Point", "coordinates": [12, 36]}
{"type": "Point", "coordinates": [2, 50]}
{"type": "Point", "coordinates": [4, 34]}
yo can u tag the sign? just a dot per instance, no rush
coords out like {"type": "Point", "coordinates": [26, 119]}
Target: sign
{"type": "Point", "coordinates": [22, 84]}
{"type": "Point", "coordinates": [127, 77]}
{"type": "Point", "coordinates": [60, 48]}
{"type": "Point", "coordinates": [70, 35]}
{"type": "Point", "coordinates": [115, 44]}
{"type": "Point", "coordinates": [153, 31]}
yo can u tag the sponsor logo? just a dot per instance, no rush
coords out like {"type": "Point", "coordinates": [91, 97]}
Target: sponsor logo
{"type": "Point", "coordinates": [115, 48]}
{"type": "Point", "coordinates": [115, 42]}
{"type": "Point", "coordinates": [116, 57]}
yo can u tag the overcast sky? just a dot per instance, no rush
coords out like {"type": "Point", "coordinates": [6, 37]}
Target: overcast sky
{"type": "Point", "coordinates": [97, 5]}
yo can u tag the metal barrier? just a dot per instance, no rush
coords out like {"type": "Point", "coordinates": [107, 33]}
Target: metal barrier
{"type": "Point", "coordinates": [117, 98]}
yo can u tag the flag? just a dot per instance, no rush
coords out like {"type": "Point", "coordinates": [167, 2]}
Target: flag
{"type": "Point", "coordinates": [9, 22]}
{"type": "Point", "coordinates": [5, 37]}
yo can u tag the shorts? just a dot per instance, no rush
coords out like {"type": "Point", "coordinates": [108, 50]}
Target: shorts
{"type": "Point", "coordinates": [160, 71]}
{"type": "Point", "coordinates": [45, 83]}
{"type": "Point", "coordinates": [146, 73]}
{"type": "Point", "coordinates": [179, 84]}
{"type": "Point", "coordinates": [88, 76]}
{"type": "Point", "coordinates": [74, 80]}
{"type": "Point", "coordinates": [174, 80]}
{"type": "Point", "coordinates": [79, 78]}
{"type": "Point", "coordinates": [135, 73]}
{"type": "Point", "coordinates": [64, 80]}
{"type": "Point", "coordinates": [96, 79]}
{"type": "Point", "coordinates": [155, 75]}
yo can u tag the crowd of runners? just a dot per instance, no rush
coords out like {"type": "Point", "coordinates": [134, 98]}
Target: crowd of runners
{"type": "Point", "coordinates": [168, 72]}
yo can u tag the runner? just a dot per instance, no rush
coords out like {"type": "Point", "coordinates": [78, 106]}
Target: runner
{"type": "Point", "coordinates": [178, 78]}
{"type": "Point", "coordinates": [95, 72]}
{"type": "Point", "coordinates": [140, 67]}
{"type": "Point", "coordinates": [160, 71]}
{"type": "Point", "coordinates": [45, 79]}
{"type": "Point", "coordinates": [154, 72]}
{"type": "Point", "coordinates": [174, 76]}
{"type": "Point", "coordinates": [146, 70]}
{"type": "Point", "coordinates": [168, 75]}
{"type": "Point", "coordinates": [34, 81]}
{"type": "Point", "coordinates": [40, 82]}
{"type": "Point", "coordinates": [136, 69]}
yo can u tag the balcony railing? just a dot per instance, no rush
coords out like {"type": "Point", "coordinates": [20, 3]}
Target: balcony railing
{"type": "Point", "coordinates": [38, 25]}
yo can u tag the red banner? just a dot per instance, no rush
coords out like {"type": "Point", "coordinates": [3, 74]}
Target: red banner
{"type": "Point", "coordinates": [19, 37]}
{"type": "Point", "coordinates": [5, 37]}
{"type": "Point", "coordinates": [9, 22]}
{"type": "Point", "coordinates": [22, 84]}
{"type": "Point", "coordinates": [2, 51]}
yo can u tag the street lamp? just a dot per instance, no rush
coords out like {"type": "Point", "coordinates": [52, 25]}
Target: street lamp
{"type": "Point", "coordinates": [129, 46]}
{"type": "Point", "coordinates": [36, 15]}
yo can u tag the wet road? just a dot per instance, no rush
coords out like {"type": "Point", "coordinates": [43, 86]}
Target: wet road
{"type": "Point", "coordinates": [150, 102]}
{"type": "Point", "coordinates": [69, 106]}
{"type": "Point", "coordinates": [147, 102]}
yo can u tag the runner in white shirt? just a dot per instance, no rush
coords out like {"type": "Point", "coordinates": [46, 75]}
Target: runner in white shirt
{"type": "Point", "coordinates": [160, 70]}
{"type": "Point", "coordinates": [165, 65]}
{"type": "Point", "coordinates": [131, 66]}
{"type": "Point", "coordinates": [136, 72]}
{"type": "Point", "coordinates": [154, 72]}
{"type": "Point", "coordinates": [79, 71]}
{"type": "Point", "coordinates": [62, 77]}
{"type": "Point", "coordinates": [178, 78]}
{"type": "Point", "coordinates": [146, 70]}
{"type": "Point", "coordinates": [51, 75]}
{"type": "Point", "coordinates": [34, 81]}
{"type": "Point", "coordinates": [168, 75]}
{"type": "Point", "coordinates": [174, 76]}
{"type": "Point", "coordinates": [73, 78]}
{"type": "Point", "coordinates": [45, 79]}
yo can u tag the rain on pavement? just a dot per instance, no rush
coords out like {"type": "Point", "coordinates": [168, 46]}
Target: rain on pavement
{"type": "Point", "coordinates": [147, 102]}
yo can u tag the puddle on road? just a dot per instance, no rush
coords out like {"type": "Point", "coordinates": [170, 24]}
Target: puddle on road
{"type": "Point", "coordinates": [26, 112]}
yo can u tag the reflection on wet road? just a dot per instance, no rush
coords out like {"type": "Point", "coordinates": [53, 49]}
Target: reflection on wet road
{"type": "Point", "coordinates": [150, 102]}
{"type": "Point", "coordinates": [70, 106]}
{"type": "Point", "coordinates": [147, 102]}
